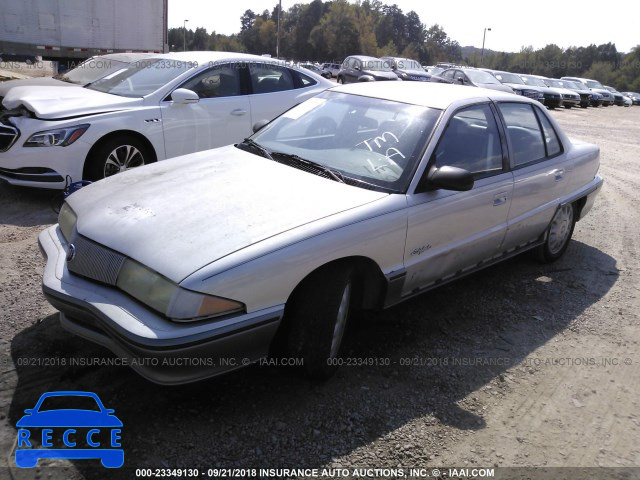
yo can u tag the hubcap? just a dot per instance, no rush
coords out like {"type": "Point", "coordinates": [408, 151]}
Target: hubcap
{"type": "Point", "coordinates": [560, 229]}
{"type": "Point", "coordinates": [123, 158]}
{"type": "Point", "coordinates": [341, 321]}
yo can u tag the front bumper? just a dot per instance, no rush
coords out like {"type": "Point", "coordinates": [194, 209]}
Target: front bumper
{"type": "Point", "coordinates": [160, 350]}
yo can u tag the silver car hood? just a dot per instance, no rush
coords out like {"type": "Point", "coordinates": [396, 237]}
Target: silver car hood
{"type": "Point", "coordinates": [55, 102]}
{"type": "Point", "coordinates": [179, 215]}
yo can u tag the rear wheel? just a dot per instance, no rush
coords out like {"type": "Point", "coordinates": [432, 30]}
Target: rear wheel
{"type": "Point", "coordinates": [116, 155]}
{"type": "Point", "coordinates": [318, 312]}
{"type": "Point", "coordinates": [558, 234]}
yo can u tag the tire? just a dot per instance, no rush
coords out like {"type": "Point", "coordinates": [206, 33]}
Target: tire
{"type": "Point", "coordinates": [318, 313]}
{"type": "Point", "coordinates": [568, 106]}
{"type": "Point", "coordinates": [558, 235]}
{"type": "Point", "coordinates": [116, 155]}
{"type": "Point", "coordinates": [340, 80]}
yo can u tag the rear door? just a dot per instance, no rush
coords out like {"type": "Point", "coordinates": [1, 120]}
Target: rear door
{"type": "Point", "coordinates": [540, 168]}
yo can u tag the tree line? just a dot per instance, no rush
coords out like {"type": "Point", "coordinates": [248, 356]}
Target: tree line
{"type": "Point", "coordinates": [334, 29]}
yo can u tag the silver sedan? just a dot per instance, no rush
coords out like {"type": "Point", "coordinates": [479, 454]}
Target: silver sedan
{"type": "Point", "coordinates": [359, 198]}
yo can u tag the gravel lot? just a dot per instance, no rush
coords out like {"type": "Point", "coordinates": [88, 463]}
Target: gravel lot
{"type": "Point", "coordinates": [519, 365]}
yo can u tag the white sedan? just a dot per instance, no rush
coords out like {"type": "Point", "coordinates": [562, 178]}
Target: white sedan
{"type": "Point", "coordinates": [151, 109]}
{"type": "Point", "coordinates": [359, 198]}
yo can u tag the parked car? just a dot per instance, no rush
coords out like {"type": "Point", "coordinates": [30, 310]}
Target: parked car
{"type": "Point", "coordinates": [315, 69]}
{"type": "Point", "coordinates": [165, 106]}
{"type": "Point", "coordinates": [618, 98]}
{"type": "Point", "coordinates": [595, 86]}
{"type": "Point", "coordinates": [332, 68]}
{"type": "Point", "coordinates": [634, 96]}
{"type": "Point", "coordinates": [570, 98]}
{"type": "Point", "coordinates": [552, 97]}
{"type": "Point", "coordinates": [359, 198]}
{"type": "Point", "coordinates": [586, 95]}
{"type": "Point", "coordinates": [517, 84]}
{"type": "Point", "coordinates": [360, 68]}
{"type": "Point", "coordinates": [470, 77]}
{"type": "Point", "coordinates": [85, 73]}
{"type": "Point", "coordinates": [407, 69]}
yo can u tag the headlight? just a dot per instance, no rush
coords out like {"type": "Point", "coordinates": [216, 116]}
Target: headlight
{"type": "Point", "coordinates": [59, 137]}
{"type": "Point", "coordinates": [67, 221]}
{"type": "Point", "coordinates": [166, 297]}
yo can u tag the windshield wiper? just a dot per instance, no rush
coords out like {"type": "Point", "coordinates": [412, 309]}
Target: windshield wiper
{"type": "Point", "coordinates": [256, 146]}
{"type": "Point", "coordinates": [335, 175]}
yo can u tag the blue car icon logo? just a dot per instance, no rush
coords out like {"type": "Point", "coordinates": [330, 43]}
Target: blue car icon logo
{"type": "Point", "coordinates": [69, 425]}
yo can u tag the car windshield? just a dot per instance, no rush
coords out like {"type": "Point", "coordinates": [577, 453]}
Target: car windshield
{"type": "Point", "coordinates": [593, 84]}
{"type": "Point", "coordinates": [506, 77]}
{"type": "Point", "coordinates": [142, 78]}
{"type": "Point", "coordinates": [91, 70]}
{"type": "Point", "coordinates": [555, 83]}
{"type": "Point", "coordinates": [368, 142]}
{"type": "Point", "coordinates": [408, 64]}
{"type": "Point", "coordinates": [478, 76]}
{"type": "Point", "coordinates": [535, 81]}
{"type": "Point", "coordinates": [69, 402]}
{"type": "Point", "coordinates": [376, 65]}
{"type": "Point", "coordinates": [580, 85]}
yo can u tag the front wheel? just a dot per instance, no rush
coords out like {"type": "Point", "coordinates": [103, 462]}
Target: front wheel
{"type": "Point", "coordinates": [558, 234]}
{"type": "Point", "coordinates": [117, 155]}
{"type": "Point", "coordinates": [318, 312]}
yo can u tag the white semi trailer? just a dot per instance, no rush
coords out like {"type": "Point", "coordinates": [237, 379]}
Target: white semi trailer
{"type": "Point", "coordinates": [69, 31]}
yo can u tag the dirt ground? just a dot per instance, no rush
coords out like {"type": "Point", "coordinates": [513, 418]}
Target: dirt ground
{"type": "Point", "coordinates": [521, 365]}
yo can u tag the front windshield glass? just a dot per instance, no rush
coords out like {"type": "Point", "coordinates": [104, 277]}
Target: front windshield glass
{"type": "Point", "coordinates": [555, 83]}
{"type": "Point", "coordinates": [367, 142]}
{"type": "Point", "coordinates": [535, 81]}
{"type": "Point", "coordinates": [478, 76]}
{"type": "Point", "coordinates": [594, 84]}
{"type": "Point", "coordinates": [408, 64]}
{"type": "Point", "coordinates": [91, 70]}
{"type": "Point", "coordinates": [142, 78]}
{"type": "Point", "coordinates": [376, 65]}
{"type": "Point", "coordinates": [506, 77]}
{"type": "Point", "coordinates": [580, 85]}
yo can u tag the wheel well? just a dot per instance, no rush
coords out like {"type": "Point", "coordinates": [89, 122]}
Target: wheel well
{"type": "Point", "coordinates": [370, 288]}
{"type": "Point", "coordinates": [579, 205]}
{"type": "Point", "coordinates": [119, 133]}
{"type": "Point", "coordinates": [369, 281]}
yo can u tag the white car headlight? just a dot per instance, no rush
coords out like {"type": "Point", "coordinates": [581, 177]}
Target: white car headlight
{"type": "Point", "coordinates": [59, 137]}
{"type": "Point", "coordinates": [166, 297]}
{"type": "Point", "coordinates": [67, 221]}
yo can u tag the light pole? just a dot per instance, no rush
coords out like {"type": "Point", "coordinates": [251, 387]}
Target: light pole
{"type": "Point", "coordinates": [184, 37]}
{"type": "Point", "coordinates": [278, 31]}
{"type": "Point", "coordinates": [483, 38]}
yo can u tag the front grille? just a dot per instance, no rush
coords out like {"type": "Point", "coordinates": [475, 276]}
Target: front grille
{"type": "Point", "coordinates": [8, 136]}
{"type": "Point", "coordinates": [95, 261]}
{"type": "Point", "coordinates": [531, 94]}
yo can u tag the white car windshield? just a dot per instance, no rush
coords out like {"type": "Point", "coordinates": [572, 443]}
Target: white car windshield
{"type": "Point", "coordinates": [142, 78]}
{"type": "Point", "coordinates": [367, 142]}
{"type": "Point", "coordinates": [478, 76]}
{"type": "Point", "coordinates": [91, 70]}
{"type": "Point", "coordinates": [593, 84]}
{"type": "Point", "coordinates": [535, 81]}
{"type": "Point", "coordinates": [506, 77]}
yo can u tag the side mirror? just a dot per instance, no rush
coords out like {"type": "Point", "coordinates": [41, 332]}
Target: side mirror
{"type": "Point", "coordinates": [259, 125]}
{"type": "Point", "coordinates": [184, 96]}
{"type": "Point", "coordinates": [447, 178]}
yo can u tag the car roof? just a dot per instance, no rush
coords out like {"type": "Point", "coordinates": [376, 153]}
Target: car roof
{"type": "Point", "coordinates": [426, 94]}
{"type": "Point", "coordinates": [202, 57]}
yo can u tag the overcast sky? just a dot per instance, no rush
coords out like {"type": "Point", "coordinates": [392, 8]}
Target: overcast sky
{"type": "Point", "coordinates": [513, 24]}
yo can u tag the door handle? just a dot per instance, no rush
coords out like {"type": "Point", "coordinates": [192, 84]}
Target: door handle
{"type": "Point", "coordinates": [238, 111]}
{"type": "Point", "coordinates": [500, 199]}
{"type": "Point", "coordinates": [559, 174]}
